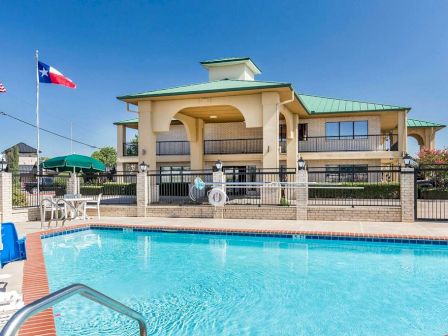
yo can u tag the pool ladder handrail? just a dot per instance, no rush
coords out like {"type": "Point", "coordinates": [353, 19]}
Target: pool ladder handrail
{"type": "Point", "coordinates": [35, 307]}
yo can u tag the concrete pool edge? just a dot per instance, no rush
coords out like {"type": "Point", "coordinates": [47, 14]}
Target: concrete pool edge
{"type": "Point", "coordinates": [35, 278]}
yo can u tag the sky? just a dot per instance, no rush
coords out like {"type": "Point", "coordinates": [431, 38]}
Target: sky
{"type": "Point", "coordinates": [393, 52]}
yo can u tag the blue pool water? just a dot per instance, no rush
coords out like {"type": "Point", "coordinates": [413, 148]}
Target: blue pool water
{"type": "Point", "coordinates": [191, 284]}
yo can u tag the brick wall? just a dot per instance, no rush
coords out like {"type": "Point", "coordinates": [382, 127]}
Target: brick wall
{"type": "Point", "coordinates": [373, 214]}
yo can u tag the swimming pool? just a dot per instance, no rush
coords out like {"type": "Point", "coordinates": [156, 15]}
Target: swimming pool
{"type": "Point", "coordinates": [206, 284]}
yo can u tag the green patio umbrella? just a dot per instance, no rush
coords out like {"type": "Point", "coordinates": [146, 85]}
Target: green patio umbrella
{"type": "Point", "coordinates": [74, 162]}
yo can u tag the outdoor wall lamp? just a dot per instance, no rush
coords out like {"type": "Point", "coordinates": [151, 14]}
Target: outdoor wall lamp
{"type": "Point", "coordinates": [143, 167]}
{"type": "Point", "coordinates": [407, 160]}
{"type": "Point", "coordinates": [3, 164]}
{"type": "Point", "coordinates": [218, 165]}
{"type": "Point", "coordinates": [301, 163]}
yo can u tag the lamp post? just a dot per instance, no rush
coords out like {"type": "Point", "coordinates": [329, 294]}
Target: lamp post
{"type": "Point", "coordinates": [3, 164]}
{"type": "Point", "coordinates": [143, 167]}
{"type": "Point", "coordinates": [301, 163]}
{"type": "Point", "coordinates": [218, 165]}
{"type": "Point", "coordinates": [407, 160]}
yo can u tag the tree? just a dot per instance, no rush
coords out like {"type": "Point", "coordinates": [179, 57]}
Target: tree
{"type": "Point", "coordinates": [12, 159]}
{"type": "Point", "coordinates": [107, 155]}
{"type": "Point", "coordinates": [433, 157]}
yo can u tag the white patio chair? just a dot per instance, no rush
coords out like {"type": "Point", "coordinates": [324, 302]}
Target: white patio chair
{"type": "Point", "coordinates": [49, 205]}
{"type": "Point", "coordinates": [94, 205]}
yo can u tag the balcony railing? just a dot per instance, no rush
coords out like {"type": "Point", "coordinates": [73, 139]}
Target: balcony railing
{"type": "Point", "coordinates": [383, 142]}
{"type": "Point", "coordinates": [130, 149]}
{"type": "Point", "coordinates": [173, 148]}
{"type": "Point", "coordinates": [233, 146]}
{"type": "Point", "coordinates": [357, 143]}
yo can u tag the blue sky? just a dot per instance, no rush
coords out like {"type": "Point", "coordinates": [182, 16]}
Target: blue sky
{"type": "Point", "coordinates": [392, 52]}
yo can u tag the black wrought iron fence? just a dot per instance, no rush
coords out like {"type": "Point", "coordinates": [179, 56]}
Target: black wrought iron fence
{"type": "Point", "coordinates": [112, 188]}
{"type": "Point", "coordinates": [431, 192]}
{"type": "Point", "coordinates": [354, 186]}
{"type": "Point", "coordinates": [352, 143]}
{"type": "Point", "coordinates": [25, 191]}
{"type": "Point", "coordinates": [260, 186]}
{"type": "Point", "coordinates": [175, 187]}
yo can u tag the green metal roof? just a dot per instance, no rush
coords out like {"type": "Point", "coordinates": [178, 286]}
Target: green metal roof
{"type": "Point", "coordinates": [127, 122]}
{"type": "Point", "coordinates": [316, 104]}
{"type": "Point", "coordinates": [421, 123]}
{"type": "Point", "coordinates": [209, 87]}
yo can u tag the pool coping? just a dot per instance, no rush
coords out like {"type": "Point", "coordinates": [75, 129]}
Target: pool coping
{"type": "Point", "coordinates": [35, 278]}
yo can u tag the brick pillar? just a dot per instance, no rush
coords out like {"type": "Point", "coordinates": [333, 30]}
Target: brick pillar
{"type": "Point", "coordinates": [302, 195]}
{"type": "Point", "coordinates": [73, 184]}
{"type": "Point", "coordinates": [5, 196]}
{"type": "Point", "coordinates": [407, 194]}
{"type": "Point", "coordinates": [219, 177]}
{"type": "Point", "coordinates": [142, 194]}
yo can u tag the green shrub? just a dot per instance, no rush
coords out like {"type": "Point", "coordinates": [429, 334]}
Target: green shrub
{"type": "Point", "coordinates": [369, 191]}
{"type": "Point", "coordinates": [432, 193]}
{"type": "Point", "coordinates": [115, 188]}
{"type": "Point", "coordinates": [92, 190]}
{"type": "Point", "coordinates": [18, 198]}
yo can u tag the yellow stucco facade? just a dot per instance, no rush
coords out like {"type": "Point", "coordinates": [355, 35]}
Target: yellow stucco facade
{"type": "Point", "coordinates": [258, 126]}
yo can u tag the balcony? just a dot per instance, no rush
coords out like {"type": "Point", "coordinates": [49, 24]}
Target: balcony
{"type": "Point", "coordinates": [384, 142]}
{"type": "Point", "coordinates": [357, 143]}
{"type": "Point", "coordinates": [234, 146]}
{"type": "Point", "coordinates": [130, 149]}
{"type": "Point", "coordinates": [173, 148]}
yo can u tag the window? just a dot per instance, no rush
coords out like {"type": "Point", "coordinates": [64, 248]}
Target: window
{"type": "Point", "coordinates": [303, 132]}
{"type": "Point", "coordinates": [347, 130]}
{"type": "Point", "coordinates": [347, 173]}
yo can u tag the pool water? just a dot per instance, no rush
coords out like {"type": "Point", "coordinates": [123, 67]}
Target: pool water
{"type": "Point", "coordinates": [196, 284]}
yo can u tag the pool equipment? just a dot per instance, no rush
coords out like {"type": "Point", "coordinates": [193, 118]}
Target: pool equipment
{"type": "Point", "coordinates": [13, 247]}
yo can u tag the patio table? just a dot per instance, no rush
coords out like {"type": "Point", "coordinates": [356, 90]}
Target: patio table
{"type": "Point", "coordinates": [79, 203]}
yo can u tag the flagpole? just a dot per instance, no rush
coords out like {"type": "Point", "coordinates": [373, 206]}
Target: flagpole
{"type": "Point", "coordinates": [38, 127]}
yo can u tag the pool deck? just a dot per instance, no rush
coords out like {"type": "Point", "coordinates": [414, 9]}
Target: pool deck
{"type": "Point", "coordinates": [34, 288]}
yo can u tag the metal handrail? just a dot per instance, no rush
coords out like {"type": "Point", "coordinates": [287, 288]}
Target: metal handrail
{"type": "Point", "coordinates": [19, 318]}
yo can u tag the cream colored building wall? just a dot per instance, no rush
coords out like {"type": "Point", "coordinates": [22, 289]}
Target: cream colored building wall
{"type": "Point", "coordinates": [176, 133]}
{"type": "Point", "coordinates": [236, 71]}
{"type": "Point", "coordinates": [235, 130]}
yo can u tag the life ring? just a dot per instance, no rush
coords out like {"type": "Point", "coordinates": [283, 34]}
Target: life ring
{"type": "Point", "coordinates": [217, 197]}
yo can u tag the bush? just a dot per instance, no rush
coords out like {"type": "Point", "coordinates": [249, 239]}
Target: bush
{"type": "Point", "coordinates": [91, 190]}
{"type": "Point", "coordinates": [116, 188]}
{"type": "Point", "coordinates": [284, 201]}
{"type": "Point", "coordinates": [370, 191]}
{"type": "Point", "coordinates": [18, 198]}
{"type": "Point", "coordinates": [431, 193]}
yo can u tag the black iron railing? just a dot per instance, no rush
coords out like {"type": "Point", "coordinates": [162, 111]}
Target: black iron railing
{"type": "Point", "coordinates": [354, 186]}
{"type": "Point", "coordinates": [111, 188]}
{"type": "Point", "coordinates": [233, 146]}
{"type": "Point", "coordinates": [130, 149]}
{"type": "Point", "coordinates": [382, 142]}
{"type": "Point", "coordinates": [173, 148]}
{"type": "Point", "coordinates": [25, 191]}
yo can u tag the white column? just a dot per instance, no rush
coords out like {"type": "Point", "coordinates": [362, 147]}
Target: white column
{"type": "Point", "coordinates": [5, 196]}
{"type": "Point", "coordinates": [219, 178]}
{"type": "Point", "coordinates": [121, 139]}
{"type": "Point", "coordinates": [302, 194]}
{"type": "Point", "coordinates": [292, 143]}
{"type": "Point", "coordinates": [142, 194]}
{"type": "Point", "coordinates": [402, 132]}
{"type": "Point", "coordinates": [197, 147]}
{"type": "Point", "coordinates": [73, 184]}
{"type": "Point", "coordinates": [270, 101]}
{"type": "Point", "coordinates": [407, 195]}
{"type": "Point", "coordinates": [146, 136]}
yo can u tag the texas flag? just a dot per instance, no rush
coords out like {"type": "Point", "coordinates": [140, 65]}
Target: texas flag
{"type": "Point", "coordinates": [48, 74]}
